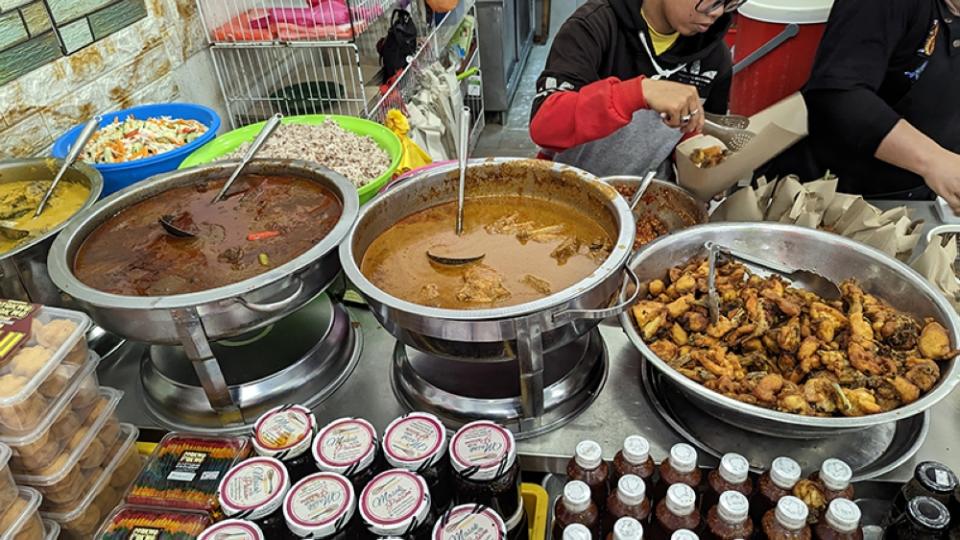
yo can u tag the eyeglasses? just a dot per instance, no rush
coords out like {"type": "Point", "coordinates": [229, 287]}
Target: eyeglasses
{"type": "Point", "coordinates": [709, 6]}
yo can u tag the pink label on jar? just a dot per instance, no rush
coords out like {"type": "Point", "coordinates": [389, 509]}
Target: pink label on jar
{"type": "Point", "coordinates": [413, 438]}
{"type": "Point", "coordinates": [467, 524]}
{"type": "Point", "coordinates": [319, 500]}
{"type": "Point", "coordinates": [252, 484]}
{"type": "Point", "coordinates": [481, 446]}
{"type": "Point", "coordinates": [284, 428]}
{"type": "Point", "coordinates": [345, 443]}
{"type": "Point", "coordinates": [392, 497]}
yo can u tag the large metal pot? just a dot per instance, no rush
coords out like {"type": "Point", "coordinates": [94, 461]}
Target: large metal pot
{"type": "Point", "coordinates": [492, 334]}
{"type": "Point", "coordinates": [23, 271]}
{"type": "Point", "coordinates": [222, 312]}
{"type": "Point", "coordinates": [832, 256]}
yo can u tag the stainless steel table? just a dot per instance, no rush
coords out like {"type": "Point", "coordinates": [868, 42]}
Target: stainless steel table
{"type": "Point", "coordinates": [620, 410]}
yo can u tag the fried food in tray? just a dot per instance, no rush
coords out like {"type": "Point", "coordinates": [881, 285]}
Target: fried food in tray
{"type": "Point", "coordinates": [788, 349]}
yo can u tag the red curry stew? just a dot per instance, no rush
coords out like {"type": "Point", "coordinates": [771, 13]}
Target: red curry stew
{"type": "Point", "coordinates": [264, 222]}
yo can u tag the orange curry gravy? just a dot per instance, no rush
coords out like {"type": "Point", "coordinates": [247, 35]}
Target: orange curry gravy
{"type": "Point", "coordinates": [533, 248]}
{"type": "Point", "coordinates": [265, 221]}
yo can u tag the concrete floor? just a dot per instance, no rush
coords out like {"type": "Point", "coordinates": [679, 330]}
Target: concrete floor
{"type": "Point", "coordinates": [512, 138]}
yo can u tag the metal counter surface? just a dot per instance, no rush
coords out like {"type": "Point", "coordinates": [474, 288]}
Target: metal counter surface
{"type": "Point", "coordinates": [620, 410]}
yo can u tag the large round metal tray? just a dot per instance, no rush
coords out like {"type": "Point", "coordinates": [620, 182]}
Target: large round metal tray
{"type": "Point", "coordinates": [833, 257]}
{"type": "Point", "coordinates": [870, 452]}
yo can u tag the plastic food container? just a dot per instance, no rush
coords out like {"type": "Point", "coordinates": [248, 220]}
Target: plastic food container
{"type": "Point", "coordinates": [63, 481]}
{"type": "Point", "coordinates": [51, 529]}
{"type": "Point", "coordinates": [102, 492]}
{"type": "Point", "coordinates": [157, 524]}
{"type": "Point", "coordinates": [185, 471]}
{"type": "Point", "coordinates": [35, 450]}
{"type": "Point", "coordinates": [8, 488]}
{"type": "Point", "coordinates": [35, 375]}
{"type": "Point", "coordinates": [22, 520]}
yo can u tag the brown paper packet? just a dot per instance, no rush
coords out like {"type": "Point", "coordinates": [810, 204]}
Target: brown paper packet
{"type": "Point", "coordinates": [742, 205]}
{"type": "Point", "coordinates": [837, 208]}
{"type": "Point", "coordinates": [936, 264]}
{"type": "Point", "coordinates": [784, 195]}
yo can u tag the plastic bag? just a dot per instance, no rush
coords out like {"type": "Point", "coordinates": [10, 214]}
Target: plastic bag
{"type": "Point", "coordinates": [413, 156]}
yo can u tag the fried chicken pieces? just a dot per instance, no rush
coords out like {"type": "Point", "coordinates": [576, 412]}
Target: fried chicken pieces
{"type": "Point", "coordinates": [788, 349]}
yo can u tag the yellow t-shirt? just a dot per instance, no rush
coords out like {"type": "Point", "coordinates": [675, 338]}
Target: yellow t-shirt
{"type": "Point", "coordinates": [661, 42]}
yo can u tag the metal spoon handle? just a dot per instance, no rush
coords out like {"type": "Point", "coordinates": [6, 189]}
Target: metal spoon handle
{"type": "Point", "coordinates": [78, 146]}
{"type": "Point", "coordinates": [644, 184]}
{"type": "Point", "coordinates": [462, 146]}
{"type": "Point", "coordinates": [262, 137]}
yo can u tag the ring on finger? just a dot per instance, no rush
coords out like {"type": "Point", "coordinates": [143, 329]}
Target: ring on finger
{"type": "Point", "coordinates": [685, 119]}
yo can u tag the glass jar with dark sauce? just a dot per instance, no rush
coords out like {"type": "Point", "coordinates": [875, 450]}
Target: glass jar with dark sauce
{"type": "Point", "coordinates": [254, 490]}
{"type": "Point", "coordinates": [417, 442]}
{"type": "Point", "coordinates": [348, 446]}
{"type": "Point", "coordinates": [286, 433]}
{"type": "Point", "coordinates": [485, 467]}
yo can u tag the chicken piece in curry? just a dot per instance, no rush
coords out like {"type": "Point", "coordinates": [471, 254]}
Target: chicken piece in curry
{"type": "Point", "coordinates": [531, 248]}
{"type": "Point", "coordinates": [787, 349]}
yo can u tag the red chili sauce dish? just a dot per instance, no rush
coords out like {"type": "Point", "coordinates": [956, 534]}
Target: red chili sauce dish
{"type": "Point", "coordinates": [262, 223]}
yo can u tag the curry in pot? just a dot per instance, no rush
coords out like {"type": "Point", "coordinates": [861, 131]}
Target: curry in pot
{"type": "Point", "coordinates": [532, 248]}
{"type": "Point", "coordinates": [264, 222]}
{"type": "Point", "coordinates": [19, 201]}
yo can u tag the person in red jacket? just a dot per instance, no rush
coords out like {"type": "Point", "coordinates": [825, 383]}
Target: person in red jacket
{"type": "Point", "coordinates": [627, 79]}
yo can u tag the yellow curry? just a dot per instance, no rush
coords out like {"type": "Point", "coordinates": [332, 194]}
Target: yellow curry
{"type": "Point", "coordinates": [19, 200]}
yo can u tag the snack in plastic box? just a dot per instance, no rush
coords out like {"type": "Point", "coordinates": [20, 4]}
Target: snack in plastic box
{"type": "Point", "coordinates": [51, 529]}
{"type": "Point", "coordinates": [185, 470]}
{"type": "Point", "coordinates": [8, 488]}
{"type": "Point", "coordinates": [33, 451]}
{"type": "Point", "coordinates": [102, 492]}
{"type": "Point", "coordinates": [154, 523]}
{"type": "Point", "coordinates": [40, 351]}
{"type": "Point", "coordinates": [63, 480]}
{"type": "Point", "coordinates": [22, 520]}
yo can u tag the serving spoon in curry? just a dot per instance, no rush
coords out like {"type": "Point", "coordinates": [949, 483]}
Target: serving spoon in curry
{"type": "Point", "coordinates": [443, 253]}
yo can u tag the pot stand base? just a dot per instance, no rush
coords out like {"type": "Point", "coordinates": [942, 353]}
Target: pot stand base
{"type": "Point", "coordinates": [870, 452]}
{"type": "Point", "coordinates": [304, 358]}
{"type": "Point", "coordinates": [460, 392]}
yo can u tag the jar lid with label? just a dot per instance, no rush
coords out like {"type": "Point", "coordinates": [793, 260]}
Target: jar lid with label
{"type": "Point", "coordinates": [320, 505]}
{"type": "Point", "coordinates": [785, 472]}
{"type": "Point", "coordinates": [395, 502]}
{"type": "Point", "coordinates": [734, 468]}
{"type": "Point", "coordinates": [345, 446]}
{"type": "Point", "coordinates": [483, 450]}
{"type": "Point", "coordinates": [284, 432]}
{"type": "Point", "coordinates": [414, 440]}
{"type": "Point", "coordinates": [683, 457]}
{"type": "Point", "coordinates": [835, 474]}
{"type": "Point", "coordinates": [254, 489]}
{"type": "Point", "coordinates": [234, 529]}
{"type": "Point", "coordinates": [792, 513]}
{"type": "Point", "coordinates": [470, 522]}
{"type": "Point", "coordinates": [935, 477]}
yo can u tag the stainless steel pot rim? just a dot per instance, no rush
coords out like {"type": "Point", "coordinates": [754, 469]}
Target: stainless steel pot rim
{"type": "Point", "coordinates": [947, 382]}
{"type": "Point", "coordinates": [619, 256]}
{"type": "Point", "coordinates": [96, 187]}
{"type": "Point", "coordinates": [61, 268]}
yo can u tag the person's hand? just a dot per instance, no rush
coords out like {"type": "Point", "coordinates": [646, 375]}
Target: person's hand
{"type": "Point", "coordinates": [942, 174]}
{"type": "Point", "coordinates": [674, 102]}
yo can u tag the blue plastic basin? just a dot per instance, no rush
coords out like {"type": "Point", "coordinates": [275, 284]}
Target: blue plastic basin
{"type": "Point", "coordinates": [117, 176]}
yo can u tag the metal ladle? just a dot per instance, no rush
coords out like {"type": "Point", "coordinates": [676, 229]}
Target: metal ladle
{"type": "Point", "coordinates": [644, 184]}
{"type": "Point", "coordinates": [435, 253]}
{"type": "Point", "coordinates": [167, 220]}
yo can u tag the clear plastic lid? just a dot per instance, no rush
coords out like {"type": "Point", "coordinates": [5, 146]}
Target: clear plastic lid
{"type": "Point", "coordinates": [588, 455]}
{"type": "Point", "coordinates": [79, 378]}
{"type": "Point", "coordinates": [785, 472]}
{"type": "Point", "coordinates": [683, 457]}
{"type": "Point", "coordinates": [395, 502]}
{"type": "Point", "coordinates": [470, 522]}
{"type": "Point", "coordinates": [4, 455]}
{"type": "Point", "coordinates": [733, 507]}
{"type": "Point", "coordinates": [345, 446]}
{"type": "Point", "coordinates": [792, 513]}
{"type": "Point", "coordinates": [835, 474]}
{"type": "Point", "coordinates": [576, 496]}
{"type": "Point", "coordinates": [636, 449]}
{"type": "Point", "coordinates": [284, 432]}
{"type": "Point", "coordinates": [414, 440]}
{"type": "Point", "coordinates": [681, 499]}
{"type": "Point", "coordinates": [45, 336]}
{"type": "Point", "coordinates": [928, 512]}
{"type": "Point", "coordinates": [631, 489]}
{"type": "Point", "coordinates": [627, 528]}
{"type": "Point", "coordinates": [233, 529]}
{"type": "Point", "coordinates": [734, 468]}
{"type": "Point", "coordinates": [29, 505]}
{"type": "Point", "coordinates": [482, 450]}
{"type": "Point", "coordinates": [843, 515]}
{"type": "Point", "coordinates": [319, 505]}
{"type": "Point", "coordinates": [684, 534]}
{"type": "Point", "coordinates": [112, 397]}
{"type": "Point", "coordinates": [131, 522]}
{"type": "Point", "coordinates": [254, 489]}
{"type": "Point", "coordinates": [51, 529]}
{"type": "Point", "coordinates": [576, 531]}
{"type": "Point", "coordinates": [128, 438]}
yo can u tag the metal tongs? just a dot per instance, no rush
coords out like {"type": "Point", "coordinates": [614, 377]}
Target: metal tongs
{"type": "Point", "coordinates": [800, 278]}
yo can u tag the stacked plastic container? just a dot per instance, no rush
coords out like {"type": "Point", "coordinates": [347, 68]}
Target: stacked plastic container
{"type": "Point", "coordinates": [63, 452]}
